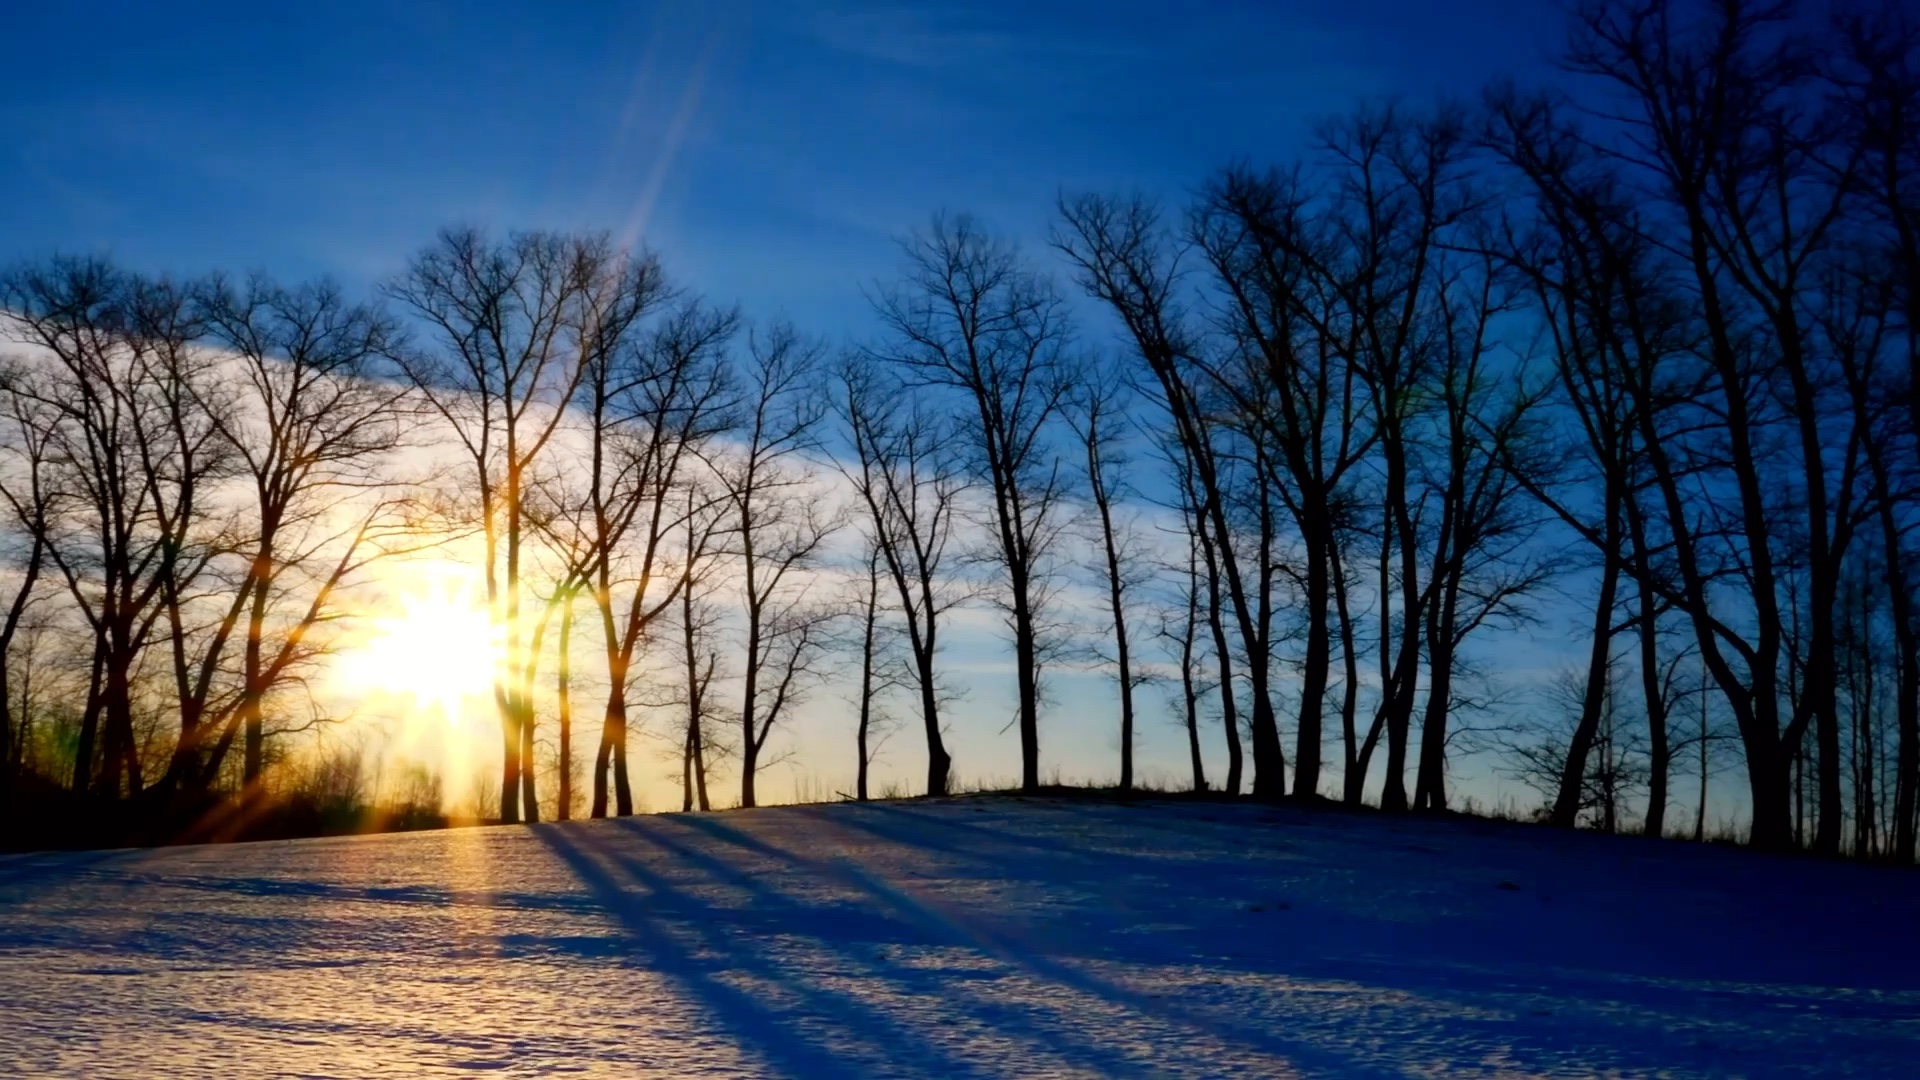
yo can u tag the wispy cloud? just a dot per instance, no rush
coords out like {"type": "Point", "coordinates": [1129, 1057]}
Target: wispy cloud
{"type": "Point", "coordinates": [959, 39]}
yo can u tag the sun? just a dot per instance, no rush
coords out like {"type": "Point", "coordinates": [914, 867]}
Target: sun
{"type": "Point", "coordinates": [437, 650]}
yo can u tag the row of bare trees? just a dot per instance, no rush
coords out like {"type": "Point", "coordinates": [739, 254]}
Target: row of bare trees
{"type": "Point", "coordinates": [1633, 354]}
{"type": "Point", "coordinates": [198, 473]}
{"type": "Point", "coordinates": [1717, 254]}
{"type": "Point", "coordinates": [1666, 310]}
{"type": "Point", "coordinates": [211, 470]}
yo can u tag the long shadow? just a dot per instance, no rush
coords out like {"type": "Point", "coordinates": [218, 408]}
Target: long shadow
{"type": "Point", "coordinates": [948, 921]}
{"type": "Point", "coordinates": [1497, 953]}
{"type": "Point", "coordinates": [932, 832]}
{"type": "Point", "coordinates": [761, 1030]}
{"type": "Point", "coordinates": [118, 911]}
{"type": "Point", "coordinates": [297, 888]}
{"type": "Point", "coordinates": [23, 876]}
{"type": "Point", "coordinates": [913, 826]}
{"type": "Point", "coordinates": [1437, 971]}
{"type": "Point", "coordinates": [1004, 1019]}
{"type": "Point", "coordinates": [1231, 828]}
{"type": "Point", "coordinates": [770, 910]}
{"type": "Point", "coordinates": [1293, 944]}
{"type": "Point", "coordinates": [756, 1028]}
{"type": "Point", "coordinates": [968, 829]}
{"type": "Point", "coordinates": [1119, 879]}
{"type": "Point", "coordinates": [1119, 893]}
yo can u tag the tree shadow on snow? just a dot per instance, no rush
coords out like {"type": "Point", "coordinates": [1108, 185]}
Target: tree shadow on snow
{"type": "Point", "coordinates": [696, 946]}
{"type": "Point", "coordinates": [1488, 969]}
{"type": "Point", "coordinates": [863, 941]}
{"type": "Point", "coordinates": [946, 923]}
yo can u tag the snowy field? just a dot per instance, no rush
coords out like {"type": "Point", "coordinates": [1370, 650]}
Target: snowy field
{"type": "Point", "coordinates": [965, 938]}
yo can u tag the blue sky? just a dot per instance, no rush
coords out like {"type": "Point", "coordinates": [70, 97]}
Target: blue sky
{"type": "Point", "coordinates": [769, 150]}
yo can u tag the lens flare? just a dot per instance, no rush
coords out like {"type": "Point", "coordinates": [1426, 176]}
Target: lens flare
{"type": "Point", "coordinates": [437, 651]}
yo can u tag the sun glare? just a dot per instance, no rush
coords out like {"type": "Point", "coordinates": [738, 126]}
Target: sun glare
{"type": "Point", "coordinates": [436, 651]}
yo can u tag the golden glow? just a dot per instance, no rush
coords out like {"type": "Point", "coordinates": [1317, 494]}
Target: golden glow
{"type": "Point", "coordinates": [436, 651]}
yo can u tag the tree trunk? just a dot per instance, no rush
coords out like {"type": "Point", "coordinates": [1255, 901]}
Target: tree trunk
{"type": "Point", "coordinates": [750, 746]}
{"type": "Point", "coordinates": [860, 738]}
{"type": "Point", "coordinates": [602, 763]}
{"type": "Point", "coordinates": [869, 625]}
{"type": "Point", "coordinates": [1823, 704]}
{"type": "Point", "coordinates": [253, 723]}
{"type": "Point", "coordinates": [699, 737]}
{"type": "Point", "coordinates": [11, 743]}
{"type": "Point", "coordinates": [1027, 673]}
{"type": "Point", "coordinates": [622, 786]}
{"type": "Point", "coordinates": [529, 800]}
{"type": "Point", "coordinates": [89, 721]}
{"type": "Point", "coordinates": [1700, 811]}
{"type": "Point", "coordinates": [505, 683]}
{"type": "Point", "coordinates": [1770, 786]}
{"type": "Point", "coordinates": [8, 757]}
{"type": "Point", "coordinates": [939, 764]}
{"type": "Point", "coordinates": [1826, 546]}
{"type": "Point", "coordinates": [509, 766]}
{"type": "Point", "coordinates": [1430, 791]}
{"type": "Point", "coordinates": [1907, 703]}
{"type": "Point", "coordinates": [1223, 655]}
{"type": "Point", "coordinates": [695, 766]}
{"type": "Point", "coordinates": [117, 715]}
{"type": "Point", "coordinates": [1189, 629]}
{"type": "Point", "coordinates": [1659, 751]}
{"type": "Point", "coordinates": [563, 693]}
{"type": "Point", "coordinates": [860, 748]}
{"type": "Point", "coordinates": [686, 772]}
{"type": "Point", "coordinates": [611, 756]}
{"type": "Point", "coordinates": [1573, 774]}
{"type": "Point", "coordinates": [1269, 760]}
{"type": "Point", "coordinates": [1116, 601]}
{"type": "Point", "coordinates": [253, 742]}
{"type": "Point", "coordinates": [1355, 758]}
{"type": "Point", "coordinates": [1399, 684]}
{"type": "Point", "coordinates": [1318, 660]}
{"type": "Point", "coordinates": [1659, 748]}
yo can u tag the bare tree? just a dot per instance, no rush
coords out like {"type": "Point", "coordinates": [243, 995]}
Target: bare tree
{"type": "Point", "coordinates": [1200, 538]}
{"type": "Point", "coordinates": [119, 393]}
{"type": "Point", "coordinates": [700, 620]}
{"type": "Point", "coordinates": [1739, 171]}
{"type": "Point", "coordinates": [1179, 625]}
{"type": "Point", "coordinates": [1127, 261]}
{"type": "Point", "coordinates": [910, 486]}
{"type": "Point", "coordinates": [778, 527]}
{"type": "Point", "coordinates": [563, 702]}
{"type": "Point", "coordinates": [46, 678]}
{"type": "Point", "coordinates": [1877, 76]}
{"type": "Point", "coordinates": [1573, 286]}
{"type": "Point", "coordinates": [314, 424]}
{"type": "Point", "coordinates": [880, 669]}
{"type": "Point", "coordinates": [24, 490]}
{"type": "Point", "coordinates": [666, 399]}
{"type": "Point", "coordinates": [513, 338]}
{"type": "Point", "coordinates": [1284, 281]}
{"type": "Point", "coordinates": [1097, 415]}
{"type": "Point", "coordinates": [1611, 773]}
{"type": "Point", "coordinates": [1481, 572]}
{"type": "Point", "coordinates": [970, 316]}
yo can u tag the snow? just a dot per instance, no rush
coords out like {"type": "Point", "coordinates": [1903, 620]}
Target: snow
{"type": "Point", "coordinates": [959, 938]}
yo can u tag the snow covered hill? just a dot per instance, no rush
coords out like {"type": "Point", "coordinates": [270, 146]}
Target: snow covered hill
{"type": "Point", "coordinates": [962, 938]}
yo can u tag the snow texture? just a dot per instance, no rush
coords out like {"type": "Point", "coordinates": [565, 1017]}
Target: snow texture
{"type": "Point", "coordinates": [960, 938]}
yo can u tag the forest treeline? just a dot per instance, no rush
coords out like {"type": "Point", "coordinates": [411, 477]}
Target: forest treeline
{"type": "Point", "coordinates": [1639, 345]}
